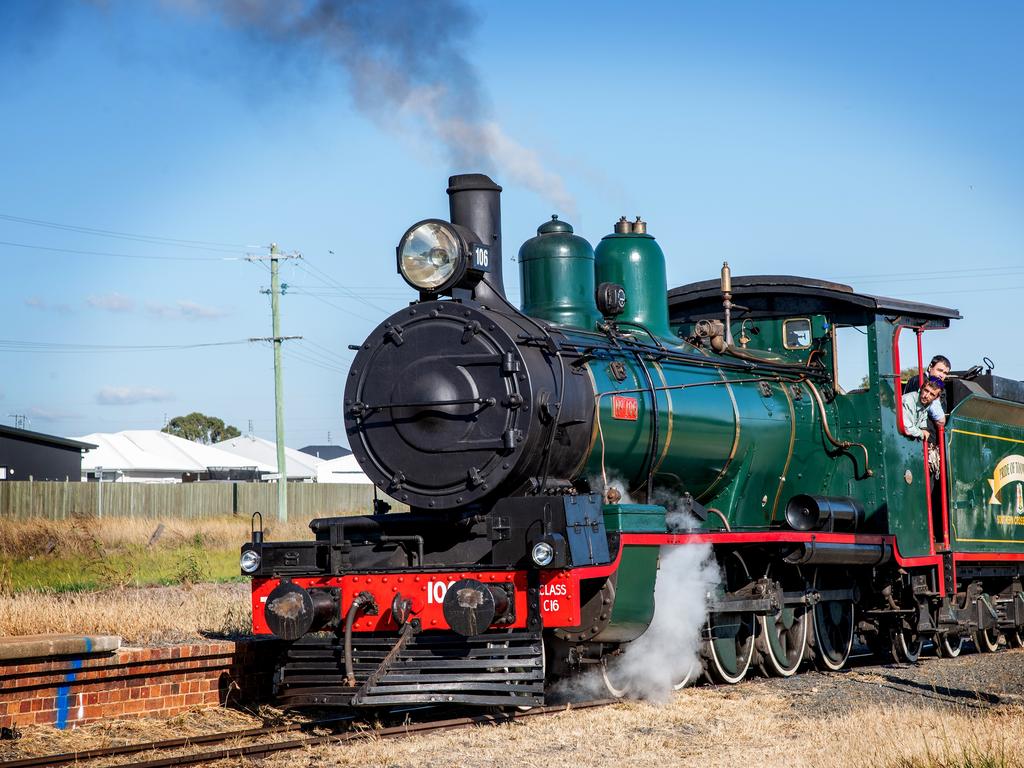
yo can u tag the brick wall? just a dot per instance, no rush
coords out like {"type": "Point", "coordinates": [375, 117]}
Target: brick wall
{"type": "Point", "coordinates": [69, 690]}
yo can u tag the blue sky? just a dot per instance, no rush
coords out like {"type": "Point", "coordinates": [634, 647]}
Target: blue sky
{"type": "Point", "coordinates": [874, 143]}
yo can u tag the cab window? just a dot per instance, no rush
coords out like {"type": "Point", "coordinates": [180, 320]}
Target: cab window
{"type": "Point", "coordinates": [796, 333]}
{"type": "Point", "coordinates": [851, 357]}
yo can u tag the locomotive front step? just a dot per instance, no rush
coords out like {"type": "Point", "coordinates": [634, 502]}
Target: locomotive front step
{"type": "Point", "coordinates": [495, 669]}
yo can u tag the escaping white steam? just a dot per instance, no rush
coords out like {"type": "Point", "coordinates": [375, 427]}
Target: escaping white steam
{"type": "Point", "coordinates": [668, 652]}
{"type": "Point", "coordinates": [614, 482]}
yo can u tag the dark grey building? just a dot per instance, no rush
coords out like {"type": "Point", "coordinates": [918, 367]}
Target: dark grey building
{"type": "Point", "coordinates": [26, 455]}
{"type": "Point", "coordinates": [326, 452]}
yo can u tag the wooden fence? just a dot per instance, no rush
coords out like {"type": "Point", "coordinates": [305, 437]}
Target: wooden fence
{"type": "Point", "coordinates": [59, 500]}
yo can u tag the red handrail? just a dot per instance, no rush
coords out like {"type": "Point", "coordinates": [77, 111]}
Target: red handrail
{"type": "Point", "coordinates": [927, 468]}
{"type": "Point", "coordinates": [942, 483]}
{"type": "Point", "coordinates": [903, 430]}
{"type": "Point", "coordinates": [898, 379]}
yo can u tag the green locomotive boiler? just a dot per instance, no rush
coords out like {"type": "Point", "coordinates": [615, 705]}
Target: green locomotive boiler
{"type": "Point", "coordinates": [549, 455]}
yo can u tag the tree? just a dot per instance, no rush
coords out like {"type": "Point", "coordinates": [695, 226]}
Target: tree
{"type": "Point", "coordinates": [200, 428]}
{"type": "Point", "coordinates": [905, 375]}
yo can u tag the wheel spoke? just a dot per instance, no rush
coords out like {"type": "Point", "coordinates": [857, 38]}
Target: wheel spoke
{"type": "Point", "coordinates": [949, 644]}
{"type": "Point", "coordinates": [729, 648]}
{"type": "Point", "coordinates": [833, 624]}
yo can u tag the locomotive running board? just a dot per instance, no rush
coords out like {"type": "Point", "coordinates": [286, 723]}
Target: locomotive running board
{"type": "Point", "coordinates": [496, 669]}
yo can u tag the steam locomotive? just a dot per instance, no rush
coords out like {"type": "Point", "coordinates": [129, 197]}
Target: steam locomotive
{"type": "Point", "coordinates": [511, 434]}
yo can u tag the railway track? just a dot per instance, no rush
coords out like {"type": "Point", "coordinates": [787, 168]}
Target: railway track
{"type": "Point", "coordinates": [262, 748]}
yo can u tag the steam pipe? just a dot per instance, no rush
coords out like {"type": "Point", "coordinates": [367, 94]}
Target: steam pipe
{"type": "Point", "coordinates": [843, 444]}
{"type": "Point", "coordinates": [394, 524]}
{"type": "Point", "coordinates": [827, 553]}
{"type": "Point", "coordinates": [362, 601]}
{"type": "Point", "coordinates": [474, 202]}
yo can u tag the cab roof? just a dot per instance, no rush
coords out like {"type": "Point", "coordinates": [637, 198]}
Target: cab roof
{"type": "Point", "coordinates": [786, 295]}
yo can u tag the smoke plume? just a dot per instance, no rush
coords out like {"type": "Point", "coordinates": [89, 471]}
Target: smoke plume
{"type": "Point", "coordinates": [406, 69]}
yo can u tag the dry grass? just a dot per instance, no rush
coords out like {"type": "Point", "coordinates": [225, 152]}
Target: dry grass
{"type": "Point", "coordinates": [46, 740]}
{"type": "Point", "coordinates": [708, 727]}
{"type": "Point", "coordinates": [146, 616]}
{"type": "Point", "coordinates": [84, 535]}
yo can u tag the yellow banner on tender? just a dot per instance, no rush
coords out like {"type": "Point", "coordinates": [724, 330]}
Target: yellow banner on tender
{"type": "Point", "coordinates": [1009, 470]}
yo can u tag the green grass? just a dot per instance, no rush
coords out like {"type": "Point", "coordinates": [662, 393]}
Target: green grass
{"type": "Point", "coordinates": [131, 566]}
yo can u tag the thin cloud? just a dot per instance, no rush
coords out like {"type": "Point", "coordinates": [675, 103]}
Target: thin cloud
{"type": "Point", "coordinates": [51, 414]}
{"type": "Point", "coordinates": [111, 302]}
{"type": "Point", "coordinates": [132, 395]}
{"type": "Point", "coordinates": [195, 311]}
{"type": "Point", "coordinates": [184, 309]}
{"type": "Point", "coordinates": [38, 302]}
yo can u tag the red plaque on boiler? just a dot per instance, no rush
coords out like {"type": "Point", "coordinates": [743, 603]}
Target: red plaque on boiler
{"type": "Point", "coordinates": [624, 408]}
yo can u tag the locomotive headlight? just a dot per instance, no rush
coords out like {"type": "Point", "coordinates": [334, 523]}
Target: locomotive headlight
{"type": "Point", "coordinates": [435, 255]}
{"type": "Point", "coordinates": [249, 561]}
{"type": "Point", "coordinates": [543, 553]}
{"type": "Point", "coordinates": [429, 255]}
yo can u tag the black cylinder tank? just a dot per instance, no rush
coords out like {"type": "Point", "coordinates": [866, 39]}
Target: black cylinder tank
{"type": "Point", "coordinates": [835, 513]}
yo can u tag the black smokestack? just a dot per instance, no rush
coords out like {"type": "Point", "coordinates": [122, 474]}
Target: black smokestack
{"type": "Point", "coordinates": [474, 201]}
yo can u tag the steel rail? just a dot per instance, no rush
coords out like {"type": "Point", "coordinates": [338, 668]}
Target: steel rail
{"type": "Point", "coordinates": [183, 741]}
{"type": "Point", "coordinates": [257, 750]}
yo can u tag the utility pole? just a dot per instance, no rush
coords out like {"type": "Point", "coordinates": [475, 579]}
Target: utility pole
{"type": "Point", "coordinates": [275, 313]}
{"type": "Point", "coordinates": [20, 420]}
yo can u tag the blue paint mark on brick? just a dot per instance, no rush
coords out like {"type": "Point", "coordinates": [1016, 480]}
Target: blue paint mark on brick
{"type": "Point", "coordinates": [63, 693]}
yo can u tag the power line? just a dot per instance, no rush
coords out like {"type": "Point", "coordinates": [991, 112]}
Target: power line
{"type": "Point", "coordinates": [332, 365]}
{"type": "Point", "coordinates": [346, 310]}
{"type": "Point", "coordinates": [308, 356]}
{"type": "Point", "coordinates": [293, 355]}
{"type": "Point", "coordinates": [180, 242]}
{"type": "Point", "coordinates": [963, 291]}
{"type": "Point", "coordinates": [330, 352]}
{"type": "Point", "coordinates": [376, 293]}
{"type": "Point", "coordinates": [932, 278]}
{"type": "Point", "coordinates": [921, 274]}
{"type": "Point", "coordinates": [12, 345]}
{"type": "Point", "coordinates": [121, 255]}
{"type": "Point", "coordinates": [318, 274]}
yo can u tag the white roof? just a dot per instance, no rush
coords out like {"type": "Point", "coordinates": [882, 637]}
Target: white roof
{"type": "Point", "coordinates": [344, 469]}
{"type": "Point", "coordinates": [153, 450]}
{"type": "Point", "coordinates": [256, 449]}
